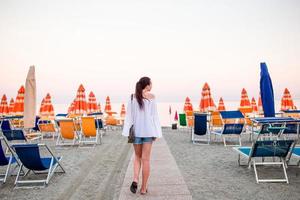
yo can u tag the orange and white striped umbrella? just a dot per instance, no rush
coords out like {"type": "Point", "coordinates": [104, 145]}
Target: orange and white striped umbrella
{"type": "Point", "coordinates": [207, 102]}
{"type": "Point", "coordinates": [92, 103]}
{"type": "Point", "coordinates": [47, 110]}
{"type": "Point", "coordinates": [11, 106]}
{"type": "Point", "coordinates": [42, 107]}
{"type": "Point", "coordinates": [221, 106]}
{"type": "Point", "coordinates": [259, 105]}
{"type": "Point", "coordinates": [19, 103]}
{"type": "Point", "coordinates": [123, 111]}
{"type": "Point", "coordinates": [80, 102]}
{"type": "Point", "coordinates": [188, 105]}
{"type": "Point", "coordinates": [4, 109]}
{"type": "Point", "coordinates": [253, 104]}
{"type": "Point", "coordinates": [71, 108]}
{"type": "Point", "coordinates": [245, 102]}
{"type": "Point", "coordinates": [287, 101]}
{"type": "Point", "coordinates": [99, 107]}
{"type": "Point", "coordinates": [107, 105]}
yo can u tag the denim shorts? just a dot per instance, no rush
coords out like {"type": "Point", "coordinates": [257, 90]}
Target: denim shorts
{"type": "Point", "coordinates": [142, 140]}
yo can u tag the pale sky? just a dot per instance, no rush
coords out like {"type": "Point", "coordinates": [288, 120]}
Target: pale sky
{"type": "Point", "coordinates": [180, 45]}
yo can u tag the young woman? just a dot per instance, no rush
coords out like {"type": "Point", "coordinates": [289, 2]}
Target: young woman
{"type": "Point", "coordinates": [142, 114]}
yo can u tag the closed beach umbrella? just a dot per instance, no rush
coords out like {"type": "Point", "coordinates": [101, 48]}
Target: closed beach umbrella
{"type": "Point", "coordinates": [107, 105]}
{"type": "Point", "coordinates": [206, 103]}
{"type": "Point", "coordinates": [176, 116]}
{"type": "Point", "coordinates": [48, 107]}
{"type": "Point", "coordinates": [92, 103]}
{"type": "Point", "coordinates": [287, 102]}
{"type": "Point", "coordinates": [4, 109]}
{"type": "Point", "coordinates": [80, 102]}
{"type": "Point", "coordinates": [188, 107]}
{"type": "Point", "coordinates": [42, 108]}
{"type": "Point", "coordinates": [245, 102]}
{"type": "Point", "coordinates": [99, 108]}
{"type": "Point", "coordinates": [221, 106]}
{"type": "Point", "coordinates": [71, 108]}
{"type": "Point", "coordinates": [11, 106]}
{"type": "Point", "coordinates": [259, 105]}
{"type": "Point", "coordinates": [253, 104]}
{"type": "Point", "coordinates": [19, 103]}
{"type": "Point", "coordinates": [30, 99]}
{"type": "Point", "coordinates": [123, 111]}
{"type": "Point", "coordinates": [266, 91]}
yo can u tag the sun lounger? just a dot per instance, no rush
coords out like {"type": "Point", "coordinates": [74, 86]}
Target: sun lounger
{"type": "Point", "coordinates": [267, 149]}
{"type": "Point", "coordinates": [6, 161]}
{"type": "Point", "coordinates": [200, 132]}
{"type": "Point", "coordinates": [29, 155]}
{"type": "Point", "coordinates": [233, 126]}
{"type": "Point", "coordinates": [89, 133]}
{"type": "Point", "coordinates": [67, 133]}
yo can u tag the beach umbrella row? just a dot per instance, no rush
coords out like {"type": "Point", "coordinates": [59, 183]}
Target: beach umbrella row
{"type": "Point", "coordinates": [81, 107]}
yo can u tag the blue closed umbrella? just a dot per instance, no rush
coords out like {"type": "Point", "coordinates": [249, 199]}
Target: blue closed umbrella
{"type": "Point", "coordinates": [266, 91]}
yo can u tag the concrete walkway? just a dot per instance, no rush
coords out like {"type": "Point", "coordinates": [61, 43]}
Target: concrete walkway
{"type": "Point", "coordinates": [165, 182]}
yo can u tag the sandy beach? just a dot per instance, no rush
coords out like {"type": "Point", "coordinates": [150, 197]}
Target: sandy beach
{"type": "Point", "coordinates": [212, 172]}
{"type": "Point", "coordinates": [91, 172]}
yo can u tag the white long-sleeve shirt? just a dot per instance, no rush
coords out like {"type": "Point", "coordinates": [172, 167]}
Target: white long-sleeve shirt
{"type": "Point", "coordinates": [145, 122]}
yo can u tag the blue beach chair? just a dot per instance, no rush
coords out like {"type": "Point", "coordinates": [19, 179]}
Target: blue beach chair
{"type": "Point", "coordinates": [29, 155]}
{"type": "Point", "coordinates": [200, 133]}
{"type": "Point", "coordinates": [233, 128]}
{"type": "Point", "coordinates": [6, 161]}
{"type": "Point", "coordinates": [267, 149]}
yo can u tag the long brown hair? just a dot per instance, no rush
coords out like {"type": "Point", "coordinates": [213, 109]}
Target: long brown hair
{"type": "Point", "coordinates": [140, 85]}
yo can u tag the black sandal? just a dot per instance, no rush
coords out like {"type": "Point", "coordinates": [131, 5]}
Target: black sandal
{"type": "Point", "coordinates": [133, 187]}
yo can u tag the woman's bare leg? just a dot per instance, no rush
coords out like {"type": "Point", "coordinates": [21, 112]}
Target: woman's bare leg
{"type": "Point", "coordinates": [137, 161]}
{"type": "Point", "coordinates": [146, 152]}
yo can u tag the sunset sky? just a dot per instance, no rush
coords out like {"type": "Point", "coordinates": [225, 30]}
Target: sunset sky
{"type": "Point", "coordinates": [109, 45]}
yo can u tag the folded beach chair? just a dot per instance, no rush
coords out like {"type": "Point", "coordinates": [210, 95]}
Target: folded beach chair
{"type": "Point", "coordinates": [29, 155]}
{"type": "Point", "coordinates": [200, 133]}
{"type": "Point", "coordinates": [89, 132]}
{"type": "Point", "coordinates": [233, 126]}
{"type": "Point", "coordinates": [182, 120]}
{"type": "Point", "coordinates": [6, 161]}
{"type": "Point", "coordinates": [267, 149]}
{"type": "Point", "coordinates": [67, 133]}
{"type": "Point", "coordinates": [47, 127]}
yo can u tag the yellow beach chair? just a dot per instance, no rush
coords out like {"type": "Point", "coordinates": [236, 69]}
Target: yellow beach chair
{"type": "Point", "coordinates": [47, 127]}
{"type": "Point", "coordinates": [89, 132]}
{"type": "Point", "coordinates": [67, 134]}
